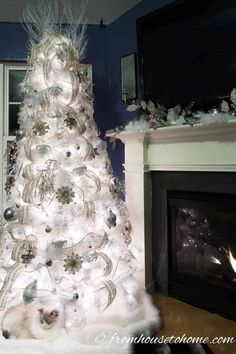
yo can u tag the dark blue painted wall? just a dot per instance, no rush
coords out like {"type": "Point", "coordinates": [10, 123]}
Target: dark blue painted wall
{"type": "Point", "coordinates": [122, 41]}
{"type": "Point", "coordinates": [13, 42]}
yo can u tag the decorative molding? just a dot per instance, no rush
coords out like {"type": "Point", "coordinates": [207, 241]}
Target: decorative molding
{"type": "Point", "coordinates": [183, 133]}
{"type": "Point", "coordinates": [191, 168]}
{"type": "Point", "coordinates": [136, 167]}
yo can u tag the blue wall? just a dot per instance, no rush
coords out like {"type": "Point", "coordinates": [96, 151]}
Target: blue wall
{"type": "Point", "coordinates": [13, 42]}
{"type": "Point", "coordinates": [123, 41]}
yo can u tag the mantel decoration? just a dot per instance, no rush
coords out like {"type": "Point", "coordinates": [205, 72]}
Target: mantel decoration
{"type": "Point", "coordinates": [154, 116]}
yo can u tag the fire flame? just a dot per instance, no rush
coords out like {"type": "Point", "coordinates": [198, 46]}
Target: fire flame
{"type": "Point", "coordinates": [232, 260]}
{"type": "Point", "coordinates": [214, 260]}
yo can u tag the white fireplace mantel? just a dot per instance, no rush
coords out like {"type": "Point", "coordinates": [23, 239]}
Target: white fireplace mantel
{"type": "Point", "coordinates": [209, 148]}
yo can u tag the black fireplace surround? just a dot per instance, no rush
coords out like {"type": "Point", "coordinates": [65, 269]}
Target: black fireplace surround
{"type": "Point", "coordinates": [194, 238]}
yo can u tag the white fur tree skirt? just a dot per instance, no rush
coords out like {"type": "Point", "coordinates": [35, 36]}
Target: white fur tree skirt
{"type": "Point", "coordinates": [61, 346]}
{"type": "Point", "coordinates": [99, 338]}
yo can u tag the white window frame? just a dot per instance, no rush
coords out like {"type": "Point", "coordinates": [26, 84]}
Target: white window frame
{"type": "Point", "coordinates": [4, 123]}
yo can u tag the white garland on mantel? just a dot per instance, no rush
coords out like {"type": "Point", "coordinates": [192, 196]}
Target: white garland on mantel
{"type": "Point", "coordinates": [205, 119]}
{"type": "Point", "coordinates": [151, 117]}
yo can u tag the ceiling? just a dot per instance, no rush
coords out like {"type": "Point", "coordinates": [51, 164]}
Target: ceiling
{"type": "Point", "coordinates": [97, 10]}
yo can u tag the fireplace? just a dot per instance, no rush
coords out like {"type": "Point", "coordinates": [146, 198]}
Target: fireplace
{"type": "Point", "coordinates": [194, 239]}
{"type": "Point", "coordinates": [185, 173]}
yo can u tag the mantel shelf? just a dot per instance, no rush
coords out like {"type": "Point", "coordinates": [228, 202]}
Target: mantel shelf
{"type": "Point", "coordinates": [184, 133]}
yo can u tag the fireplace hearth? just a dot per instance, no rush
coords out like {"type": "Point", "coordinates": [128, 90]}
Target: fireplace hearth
{"type": "Point", "coordinates": [194, 238]}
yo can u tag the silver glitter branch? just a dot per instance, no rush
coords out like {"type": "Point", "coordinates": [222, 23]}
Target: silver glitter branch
{"type": "Point", "coordinates": [45, 15]}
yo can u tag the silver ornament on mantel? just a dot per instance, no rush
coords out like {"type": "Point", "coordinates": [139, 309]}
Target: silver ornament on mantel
{"type": "Point", "coordinates": [233, 96]}
{"type": "Point", "coordinates": [10, 214]}
{"type": "Point", "coordinates": [30, 292]}
{"type": "Point", "coordinates": [214, 111]}
{"type": "Point", "coordinates": [173, 115]}
{"type": "Point", "coordinates": [224, 106]}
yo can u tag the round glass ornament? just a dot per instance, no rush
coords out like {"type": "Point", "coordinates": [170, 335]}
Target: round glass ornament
{"type": "Point", "coordinates": [10, 214]}
{"type": "Point", "coordinates": [48, 229]}
{"type": "Point", "coordinates": [43, 149]}
{"type": "Point", "coordinates": [20, 134]}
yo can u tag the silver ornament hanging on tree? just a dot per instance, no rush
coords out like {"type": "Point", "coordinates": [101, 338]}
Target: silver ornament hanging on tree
{"type": "Point", "coordinates": [48, 229]}
{"type": "Point", "coordinates": [75, 296]}
{"type": "Point", "coordinates": [73, 263]}
{"type": "Point", "coordinates": [30, 292]}
{"type": "Point", "coordinates": [29, 251]}
{"type": "Point", "coordinates": [111, 219]}
{"type": "Point", "coordinates": [68, 154]}
{"type": "Point", "coordinates": [20, 134]}
{"type": "Point", "coordinates": [65, 194]}
{"type": "Point", "coordinates": [89, 256]}
{"type": "Point", "coordinates": [10, 214]}
{"type": "Point", "coordinates": [49, 263]}
{"type": "Point", "coordinates": [43, 149]}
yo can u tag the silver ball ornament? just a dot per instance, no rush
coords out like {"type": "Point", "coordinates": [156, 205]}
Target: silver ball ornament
{"type": "Point", "coordinates": [75, 296]}
{"type": "Point", "coordinates": [49, 263]}
{"type": "Point", "coordinates": [48, 229]}
{"type": "Point", "coordinates": [111, 219]}
{"type": "Point", "coordinates": [20, 134]}
{"type": "Point", "coordinates": [30, 292]}
{"type": "Point", "coordinates": [10, 214]}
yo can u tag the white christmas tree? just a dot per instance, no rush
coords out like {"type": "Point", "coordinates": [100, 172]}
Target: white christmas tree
{"type": "Point", "coordinates": [66, 241]}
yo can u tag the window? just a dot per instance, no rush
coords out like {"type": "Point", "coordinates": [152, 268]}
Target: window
{"type": "Point", "coordinates": [11, 76]}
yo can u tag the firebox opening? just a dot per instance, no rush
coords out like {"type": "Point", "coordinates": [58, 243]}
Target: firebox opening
{"type": "Point", "coordinates": [202, 248]}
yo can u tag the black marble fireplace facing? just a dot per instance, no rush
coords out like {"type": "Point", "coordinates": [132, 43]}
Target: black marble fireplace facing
{"type": "Point", "coordinates": [194, 238]}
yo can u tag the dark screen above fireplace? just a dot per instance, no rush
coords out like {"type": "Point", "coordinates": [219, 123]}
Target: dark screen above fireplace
{"type": "Point", "coordinates": [187, 52]}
